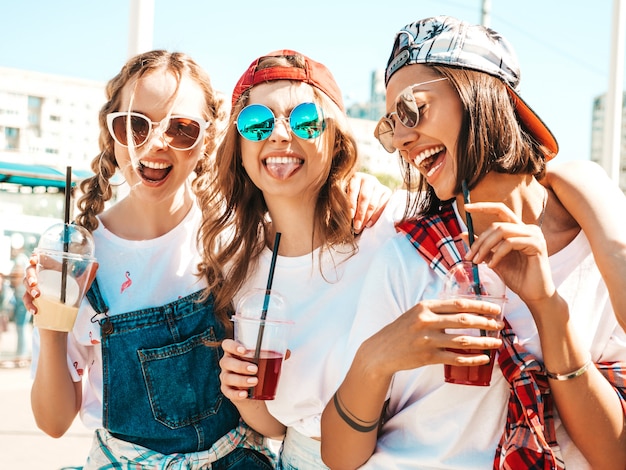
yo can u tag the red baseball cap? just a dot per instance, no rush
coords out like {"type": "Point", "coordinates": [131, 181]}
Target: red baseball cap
{"type": "Point", "coordinates": [314, 73]}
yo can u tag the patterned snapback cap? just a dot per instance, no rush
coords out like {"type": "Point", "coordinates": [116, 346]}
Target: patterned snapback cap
{"type": "Point", "coordinates": [445, 40]}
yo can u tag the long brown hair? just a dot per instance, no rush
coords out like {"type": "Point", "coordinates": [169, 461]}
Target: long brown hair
{"type": "Point", "coordinates": [491, 139]}
{"type": "Point", "coordinates": [97, 189]}
{"type": "Point", "coordinates": [233, 232]}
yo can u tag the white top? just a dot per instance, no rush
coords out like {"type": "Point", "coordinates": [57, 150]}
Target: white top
{"type": "Point", "coordinates": [435, 425]}
{"type": "Point", "coordinates": [323, 308]}
{"type": "Point", "coordinates": [132, 275]}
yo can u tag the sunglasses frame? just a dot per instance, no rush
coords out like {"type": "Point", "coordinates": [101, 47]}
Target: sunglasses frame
{"type": "Point", "coordinates": [407, 96]}
{"type": "Point", "coordinates": [152, 126]}
{"type": "Point", "coordinates": [320, 113]}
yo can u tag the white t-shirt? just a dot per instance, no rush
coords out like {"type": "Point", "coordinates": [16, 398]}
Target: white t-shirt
{"type": "Point", "coordinates": [322, 305]}
{"type": "Point", "coordinates": [436, 425]}
{"type": "Point", "coordinates": [132, 275]}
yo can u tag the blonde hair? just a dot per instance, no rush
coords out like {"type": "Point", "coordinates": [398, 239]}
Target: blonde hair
{"type": "Point", "coordinates": [97, 189]}
{"type": "Point", "coordinates": [233, 232]}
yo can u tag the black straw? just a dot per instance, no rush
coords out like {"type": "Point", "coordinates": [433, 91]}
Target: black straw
{"type": "Point", "coordinates": [66, 234]}
{"type": "Point", "coordinates": [470, 234]}
{"type": "Point", "coordinates": [266, 304]}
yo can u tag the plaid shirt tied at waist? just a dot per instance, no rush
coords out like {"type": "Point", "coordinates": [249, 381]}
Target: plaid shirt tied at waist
{"type": "Point", "coordinates": [529, 439]}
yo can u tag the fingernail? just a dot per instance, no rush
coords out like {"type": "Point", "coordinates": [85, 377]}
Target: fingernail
{"type": "Point", "coordinates": [251, 368]}
{"type": "Point", "coordinates": [241, 350]}
{"type": "Point", "coordinates": [34, 293]}
{"type": "Point", "coordinates": [251, 380]}
{"type": "Point", "coordinates": [243, 394]}
{"type": "Point", "coordinates": [32, 311]}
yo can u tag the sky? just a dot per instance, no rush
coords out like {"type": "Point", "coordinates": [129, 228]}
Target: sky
{"type": "Point", "coordinates": [563, 46]}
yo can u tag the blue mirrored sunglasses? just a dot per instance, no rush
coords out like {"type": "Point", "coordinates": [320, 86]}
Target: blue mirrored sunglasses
{"type": "Point", "coordinates": [256, 121]}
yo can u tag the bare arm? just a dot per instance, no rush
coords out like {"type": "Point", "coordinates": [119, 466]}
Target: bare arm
{"type": "Point", "coordinates": [583, 188]}
{"type": "Point", "coordinates": [55, 397]}
{"type": "Point", "coordinates": [418, 338]}
{"type": "Point", "coordinates": [588, 406]}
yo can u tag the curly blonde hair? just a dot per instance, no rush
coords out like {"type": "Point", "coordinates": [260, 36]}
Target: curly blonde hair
{"type": "Point", "coordinates": [97, 189]}
{"type": "Point", "coordinates": [235, 216]}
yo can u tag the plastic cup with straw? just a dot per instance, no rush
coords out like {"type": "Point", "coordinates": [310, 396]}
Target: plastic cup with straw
{"type": "Point", "coordinates": [65, 268]}
{"type": "Point", "coordinates": [469, 280]}
{"type": "Point", "coordinates": [265, 337]}
{"type": "Point", "coordinates": [266, 303]}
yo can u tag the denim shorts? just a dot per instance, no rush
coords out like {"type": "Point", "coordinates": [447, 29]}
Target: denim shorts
{"type": "Point", "coordinates": [300, 452]}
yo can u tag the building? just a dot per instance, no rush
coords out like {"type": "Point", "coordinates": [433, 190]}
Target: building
{"type": "Point", "coordinates": [47, 123]}
{"type": "Point", "coordinates": [363, 118]}
{"type": "Point", "coordinates": [597, 138]}
{"type": "Point", "coordinates": [48, 120]}
{"type": "Point", "coordinates": [53, 120]}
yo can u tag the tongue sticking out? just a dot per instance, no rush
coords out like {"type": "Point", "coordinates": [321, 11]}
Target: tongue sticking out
{"type": "Point", "coordinates": [282, 171]}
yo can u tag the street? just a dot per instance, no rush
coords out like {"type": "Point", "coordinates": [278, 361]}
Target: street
{"type": "Point", "coordinates": [22, 444]}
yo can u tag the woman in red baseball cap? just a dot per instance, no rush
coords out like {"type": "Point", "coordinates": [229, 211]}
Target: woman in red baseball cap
{"type": "Point", "coordinates": [284, 163]}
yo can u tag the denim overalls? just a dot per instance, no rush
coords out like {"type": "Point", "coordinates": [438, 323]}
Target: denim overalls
{"type": "Point", "coordinates": [161, 379]}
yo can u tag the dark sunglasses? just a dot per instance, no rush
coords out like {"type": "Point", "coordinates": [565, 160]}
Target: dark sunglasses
{"type": "Point", "coordinates": [407, 112]}
{"type": "Point", "coordinates": [179, 132]}
{"type": "Point", "coordinates": [256, 121]}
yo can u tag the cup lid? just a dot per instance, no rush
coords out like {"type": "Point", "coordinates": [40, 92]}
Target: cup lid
{"type": "Point", "coordinates": [67, 238]}
{"type": "Point", "coordinates": [253, 302]}
{"type": "Point", "coordinates": [460, 281]}
{"type": "Point", "coordinates": [268, 321]}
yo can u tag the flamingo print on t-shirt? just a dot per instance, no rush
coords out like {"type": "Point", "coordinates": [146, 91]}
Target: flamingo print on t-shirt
{"type": "Point", "coordinates": [127, 283]}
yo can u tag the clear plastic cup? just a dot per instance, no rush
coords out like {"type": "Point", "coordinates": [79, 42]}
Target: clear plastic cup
{"type": "Point", "coordinates": [265, 340]}
{"type": "Point", "coordinates": [65, 265]}
{"type": "Point", "coordinates": [460, 282]}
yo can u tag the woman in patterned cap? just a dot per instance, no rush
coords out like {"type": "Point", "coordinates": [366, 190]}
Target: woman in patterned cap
{"type": "Point", "coordinates": [557, 393]}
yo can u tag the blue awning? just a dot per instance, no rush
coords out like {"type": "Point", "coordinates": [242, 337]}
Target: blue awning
{"type": "Point", "coordinates": [38, 175]}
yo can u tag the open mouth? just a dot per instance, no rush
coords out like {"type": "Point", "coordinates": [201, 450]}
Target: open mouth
{"type": "Point", "coordinates": [427, 160]}
{"type": "Point", "coordinates": [282, 168]}
{"type": "Point", "coordinates": [154, 171]}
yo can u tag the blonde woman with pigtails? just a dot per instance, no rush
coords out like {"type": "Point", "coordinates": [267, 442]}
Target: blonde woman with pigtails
{"type": "Point", "coordinates": [141, 364]}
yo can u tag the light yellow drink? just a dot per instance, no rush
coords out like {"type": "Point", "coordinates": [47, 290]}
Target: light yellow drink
{"type": "Point", "coordinates": [54, 315]}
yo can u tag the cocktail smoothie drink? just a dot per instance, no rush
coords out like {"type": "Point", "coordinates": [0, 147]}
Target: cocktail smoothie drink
{"type": "Point", "coordinates": [65, 268]}
{"type": "Point", "coordinates": [54, 315]}
{"type": "Point", "coordinates": [462, 282]}
{"type": "Point", "coordinates": [269, 364]}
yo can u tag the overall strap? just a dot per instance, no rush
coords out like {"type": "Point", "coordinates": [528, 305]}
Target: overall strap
{"type": "Point", "coordinates": [95, 298]}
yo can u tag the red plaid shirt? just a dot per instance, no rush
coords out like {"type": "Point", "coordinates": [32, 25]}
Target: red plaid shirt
{"type": "Point", "coordinates": [529, 440]}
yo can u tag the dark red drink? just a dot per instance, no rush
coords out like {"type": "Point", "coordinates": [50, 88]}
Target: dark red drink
{"type": "Point", "coordinates": [474, 375]}
{"type": "Point", "coordinates": [269, 363]}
